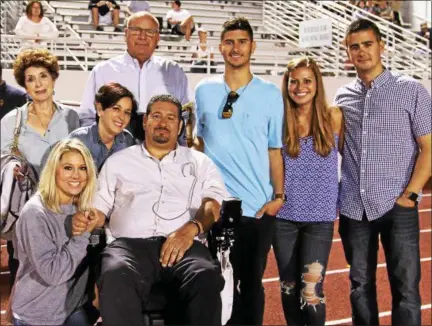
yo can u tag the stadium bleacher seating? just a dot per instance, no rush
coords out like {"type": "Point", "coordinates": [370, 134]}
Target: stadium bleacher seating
{"type": "Point", "coordinates": [275, 23]}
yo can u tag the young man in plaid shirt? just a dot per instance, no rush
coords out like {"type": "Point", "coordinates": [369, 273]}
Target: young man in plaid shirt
{"type": "Point", "coordinates": [386, 163]}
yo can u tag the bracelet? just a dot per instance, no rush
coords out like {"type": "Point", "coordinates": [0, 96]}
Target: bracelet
{"type": "Point", "coordinates": [195, 222]}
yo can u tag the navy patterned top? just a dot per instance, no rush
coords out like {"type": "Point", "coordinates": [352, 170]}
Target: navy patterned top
{"type": "Point", "coordinates": [311, 184]}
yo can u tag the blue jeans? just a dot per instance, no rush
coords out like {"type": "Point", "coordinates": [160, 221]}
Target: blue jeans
{"type": "Point", "coordinates": [84, 316]}
{"type": "Point", "coordinates": [399, 230]}
{"type": "Point", "coordinates": [302, 250]}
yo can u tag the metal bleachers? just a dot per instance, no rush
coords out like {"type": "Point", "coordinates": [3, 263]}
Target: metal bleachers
{"type": "Point", "coordinates": [276, 32]}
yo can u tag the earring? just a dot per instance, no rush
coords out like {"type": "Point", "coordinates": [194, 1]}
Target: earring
{"type": "Point", "coordinates": [53, 92]}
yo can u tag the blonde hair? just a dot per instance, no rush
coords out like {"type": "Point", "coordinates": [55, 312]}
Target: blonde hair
{"type": "Point", "coordinates": [321, 127]}
{"type": "Point", "coordinates": [47, 184]}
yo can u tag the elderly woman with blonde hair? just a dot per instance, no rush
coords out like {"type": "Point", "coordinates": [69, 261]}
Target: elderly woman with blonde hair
{"type": "Point", "coordinates": [50, 287]}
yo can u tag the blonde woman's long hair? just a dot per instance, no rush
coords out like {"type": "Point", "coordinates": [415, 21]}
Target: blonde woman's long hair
{"type": "Point", "coordinates": [47, 184]}
{"type": "Point", "coordinates": [321, 127]}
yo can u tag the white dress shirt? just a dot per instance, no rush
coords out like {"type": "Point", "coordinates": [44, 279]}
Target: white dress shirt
{"type": "Point", "coordinates": [145, 197]}
{"type": "Point", "coordinates": [27, 30]}
{"type": "Point", "coordinates": [157, 76]}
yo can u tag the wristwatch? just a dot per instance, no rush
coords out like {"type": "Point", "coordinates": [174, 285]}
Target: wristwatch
{"type": "Point", "coordinates": [411, 196]}
{"type": "Point", "coordinates": [280, 196]}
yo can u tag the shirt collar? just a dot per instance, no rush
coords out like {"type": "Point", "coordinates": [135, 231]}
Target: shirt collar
{"type": "Point", "coordinates": [132, 61]}
{"type": "Point", "coordinates": [172, 156]}
{"type": "Point", "coordinates": [243, 87]}
{"type": "Point", "coordinates": [57, 106]}
{"type": "Point", "coordinates": [380, 80]}
{"type": "Point", "coordinates": [94, 130]}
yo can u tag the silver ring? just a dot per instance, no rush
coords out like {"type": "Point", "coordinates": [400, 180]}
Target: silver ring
{"type": "Point", "coordinates": [175, 249]}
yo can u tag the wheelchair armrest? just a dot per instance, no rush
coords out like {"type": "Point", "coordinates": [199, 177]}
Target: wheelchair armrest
{"type": "Point", "coordinates": [221, 236]}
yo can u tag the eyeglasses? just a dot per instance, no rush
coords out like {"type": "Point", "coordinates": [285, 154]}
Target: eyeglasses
{"type": "Point", "coordinates": [135, 31]}
{"type": "Point", "coordinates": [228, 109]}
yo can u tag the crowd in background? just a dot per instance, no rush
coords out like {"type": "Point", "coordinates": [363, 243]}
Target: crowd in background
{"type": "Point", "coordinates": [388, 10]}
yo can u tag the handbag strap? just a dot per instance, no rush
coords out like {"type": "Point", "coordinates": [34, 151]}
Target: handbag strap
{"type": "Point", "coordinates": [17, 130]}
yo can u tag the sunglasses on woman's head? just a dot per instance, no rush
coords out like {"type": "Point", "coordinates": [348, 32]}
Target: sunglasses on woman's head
{"type": "Point", "coordinates": [228, 109]}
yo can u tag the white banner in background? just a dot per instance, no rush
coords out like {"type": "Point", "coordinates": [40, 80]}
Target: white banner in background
{"type": "Point", "coordinates": [315, 33]}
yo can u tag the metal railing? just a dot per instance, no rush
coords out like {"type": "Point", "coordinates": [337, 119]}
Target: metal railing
{"type": "Point", "coordinates": [409, 50]}
{"type": "Point", "coordinates": [75, 54]}
{"type": "Point", "coordinates": [10, 11]}
{"type": "Point", "coordinates": [281, 18]}
{"type": "Point", "coordinates": [71, 52]}
{"type": "Point", "coordinates": [403, 52]}
{"type": "Point", "coordinates": [384, 25]}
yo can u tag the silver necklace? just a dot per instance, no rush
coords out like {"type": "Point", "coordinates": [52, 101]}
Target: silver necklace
{"type": "Point", "coordinates": [45, 127]}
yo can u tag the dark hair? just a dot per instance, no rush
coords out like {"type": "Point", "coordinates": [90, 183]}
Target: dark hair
{"type": "Point", "coordinates": [34, 58]}
{"type": "Point", "coordinates": [236, 23]}
{"type": "Point", "coordinates": [30, 5]}
{"type": "Point", "coordinates": [165, 98]}
{"type": "Point", "coordinates": [109, 94]}
{"type": "Point", "coordinates": [178, 3]}
{"type": "Point", "coordinates": [362, 25]}
{"type": "Point", "coordinates": [137, 124]}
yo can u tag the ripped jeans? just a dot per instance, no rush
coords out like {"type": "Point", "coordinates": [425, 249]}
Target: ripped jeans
{"type": "Point", "coordinates": [302, 250]}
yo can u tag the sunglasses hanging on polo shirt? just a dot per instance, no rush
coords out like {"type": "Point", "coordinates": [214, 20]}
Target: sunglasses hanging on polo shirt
{"type": "Point", "coordinates": [228, 109]}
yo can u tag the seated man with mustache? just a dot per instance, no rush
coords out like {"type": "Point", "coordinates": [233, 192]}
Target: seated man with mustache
{"type": "Point", "coordinates": [158, 197]}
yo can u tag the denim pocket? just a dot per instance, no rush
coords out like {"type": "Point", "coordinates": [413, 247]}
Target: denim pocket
{"type": "Point", "coordinates": [404, 208]}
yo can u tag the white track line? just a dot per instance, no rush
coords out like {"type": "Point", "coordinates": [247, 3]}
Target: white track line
{"type": "Point", "coordinates": [381, 314]}
{"type": "Point", "coordinates": [339, 271]}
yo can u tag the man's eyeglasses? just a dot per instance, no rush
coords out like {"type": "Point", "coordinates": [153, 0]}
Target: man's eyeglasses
{"type": "Point", "coordinates": [228, 109]}
{"type": "Point", "coordinates": [135, 31]}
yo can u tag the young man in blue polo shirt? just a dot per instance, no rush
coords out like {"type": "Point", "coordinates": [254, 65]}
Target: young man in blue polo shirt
{"type": "Point", "coordinates": [386, 163]}
{"type": "Point", "coordinates": [239, 126]}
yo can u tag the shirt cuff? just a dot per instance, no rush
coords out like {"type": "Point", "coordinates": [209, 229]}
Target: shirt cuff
{"type": "Point", "coordinates": [219, 197]}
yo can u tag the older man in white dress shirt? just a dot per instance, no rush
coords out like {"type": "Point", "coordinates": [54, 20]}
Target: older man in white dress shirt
{"type": "Point", "coordinates": [143, 73]}
{"type": "Point", "coordinates": [158, 198]}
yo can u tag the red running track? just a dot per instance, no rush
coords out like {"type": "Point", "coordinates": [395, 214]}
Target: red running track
{"type": "Point", "coordinates": [337, 287]}
{"type": "Point", "coordinates": [336, 284]}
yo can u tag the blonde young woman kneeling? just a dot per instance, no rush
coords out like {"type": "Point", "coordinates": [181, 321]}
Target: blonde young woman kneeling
{"type": "Point", "coordinates": [50, 287]}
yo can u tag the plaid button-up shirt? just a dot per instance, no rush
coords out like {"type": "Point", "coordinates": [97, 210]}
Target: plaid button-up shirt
{"type": "Point", "coordinates": [382, 123]}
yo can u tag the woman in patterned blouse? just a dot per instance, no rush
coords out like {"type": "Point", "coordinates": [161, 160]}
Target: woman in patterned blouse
{"type": "Point", "coordinates": [304, 225]}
